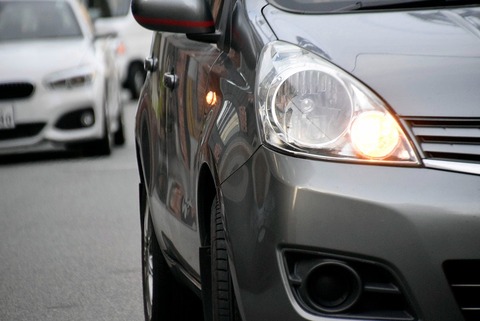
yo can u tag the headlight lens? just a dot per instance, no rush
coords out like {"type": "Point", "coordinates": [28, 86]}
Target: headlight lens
{"type": "Point", "coordinates": [374, 134]}
{"type": "Point", "coordinates": [312, 108]}
{"type": "Point", "coordinates": [72, 78]}
{"type": "Point", "coordinates": [309, 106]}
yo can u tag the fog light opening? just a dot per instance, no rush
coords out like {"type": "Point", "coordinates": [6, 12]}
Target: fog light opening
{"type": "Point", "coordinates": [332, 287]}
{"type": "Point", "coordinates": [87, 118]}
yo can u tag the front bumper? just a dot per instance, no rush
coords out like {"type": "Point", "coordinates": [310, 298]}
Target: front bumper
{"type": "Point", "coordinates": [408, 220]}
{"type": "Point", "coordinates": [37, 118]}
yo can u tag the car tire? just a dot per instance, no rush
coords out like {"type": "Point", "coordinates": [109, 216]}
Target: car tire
{"type": "Point", "coordinates": [119, 136]}
{"type": "Point", "coordinates": [103, 146]}
{"type": "Point", "coordinates": [135, 80]}
{"type": "Point", "coordinates": [99, 147]}
{"type": "Point", "coordinates": [164, 298]}
{"type": "Point", "coordinates": [155, 275]}
{"type": "Point", "coordinates": [224, 304]}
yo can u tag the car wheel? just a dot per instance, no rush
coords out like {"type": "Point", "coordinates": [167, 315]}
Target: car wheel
{"type": "Point", "coordinates": [224, 304]}
{"type": "Point", "coordinates": [99, 147]}
{"type": "Point", "coordinates": [164, 298]}
{"type": "Point", "coordinates": [103, 146]}
{"type": "Point", "coordinates": [119, 137]}
{"type": "Point", "coordinates": [136, 78]}
{"type": "Point", "coordinates": [154, 270]}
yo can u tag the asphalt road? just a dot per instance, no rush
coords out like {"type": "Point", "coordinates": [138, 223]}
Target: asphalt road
{"type": "Point", "coordinates": [70, 236]}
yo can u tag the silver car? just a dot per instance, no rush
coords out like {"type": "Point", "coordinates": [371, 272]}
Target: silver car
{"type": "Point", "coordinates": [59, 84]}
{"type": "Point", "coordinates": [310, 160]}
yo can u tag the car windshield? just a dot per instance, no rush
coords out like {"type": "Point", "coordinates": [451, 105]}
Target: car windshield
{"type": "Point", "coordinates": [21, 20]}
{"type": "Point", "coordinates": [333, 6]}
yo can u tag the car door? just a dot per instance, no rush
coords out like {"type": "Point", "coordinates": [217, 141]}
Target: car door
{"type": "Point", "coordinates": [185, 65]}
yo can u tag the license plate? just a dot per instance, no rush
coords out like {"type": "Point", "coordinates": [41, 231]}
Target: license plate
{"type": "Point", "coordinates": [7, 119]}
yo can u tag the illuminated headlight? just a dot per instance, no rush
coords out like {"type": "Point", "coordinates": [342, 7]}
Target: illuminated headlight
{"type": "Point", "coordinates": [309, 106]}
{"type": "Point", "coordinates": [72, 78]}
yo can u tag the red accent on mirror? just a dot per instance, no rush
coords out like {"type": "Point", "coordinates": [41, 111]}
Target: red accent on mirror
{"type": "Point", "coordinates": [172, 22]}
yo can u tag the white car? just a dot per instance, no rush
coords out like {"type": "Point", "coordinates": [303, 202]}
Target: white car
{"type": "Point", "coordinates": [115, 16]}
{"type": "Point", "coordinates": [58, 83]}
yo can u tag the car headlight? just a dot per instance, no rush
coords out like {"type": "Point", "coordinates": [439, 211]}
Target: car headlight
{"type": "Point", "coordinates": [71, 78]}
{"type": "Point", "coordinates": [309, 106]}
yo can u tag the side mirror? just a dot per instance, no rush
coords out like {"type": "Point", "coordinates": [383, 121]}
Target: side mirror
{"type": "Point", "coordinates": [180, 16]}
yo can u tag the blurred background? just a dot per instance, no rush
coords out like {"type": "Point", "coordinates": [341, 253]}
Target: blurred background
{"type": "Point", "coordinates": [70, 75]}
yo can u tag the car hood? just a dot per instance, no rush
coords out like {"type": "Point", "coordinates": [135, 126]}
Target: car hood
{"type": "Point", "coordinates": [423, 62]}
{"type": "Point", "coordinates": [33, 60]}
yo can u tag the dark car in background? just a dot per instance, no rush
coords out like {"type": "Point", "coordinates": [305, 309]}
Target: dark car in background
{"type": "Point", "coordinates": [310, 160]}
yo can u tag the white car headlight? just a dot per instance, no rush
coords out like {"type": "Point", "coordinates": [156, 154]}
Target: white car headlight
{"type": "Point", "coordinates": [309, 106]}
{"type": "Point", "coordinates": [71, 78]}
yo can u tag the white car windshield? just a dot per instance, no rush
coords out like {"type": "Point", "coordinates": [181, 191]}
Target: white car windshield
{"type": "Point", "coordinates": [21, 20]}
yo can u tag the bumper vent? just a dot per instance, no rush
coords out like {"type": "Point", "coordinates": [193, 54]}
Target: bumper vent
{"type": "Point", "coordinates": [16, 90]}
{"type": "Point", "coordinates": [77, 119]}
{"type": "Point", "coordinates": [464, 279]}
{"type": "Point", "coordinates": [22, 131]}
{"type": "Point", "coordinates": [320, 284]}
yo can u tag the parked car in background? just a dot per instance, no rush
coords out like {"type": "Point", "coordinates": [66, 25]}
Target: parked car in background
{"type": "Point", "coordinates": [58, 80]}
{"type": "Point", "coordinates": [310, 160]}
{"type": "Point", "coordinates": [133, 40]}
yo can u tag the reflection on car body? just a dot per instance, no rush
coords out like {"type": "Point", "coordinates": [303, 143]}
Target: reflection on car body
{"type": "Point", "coordinates": [327, 153]}
{"type": "Point", "coordinates": [58, 82]}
